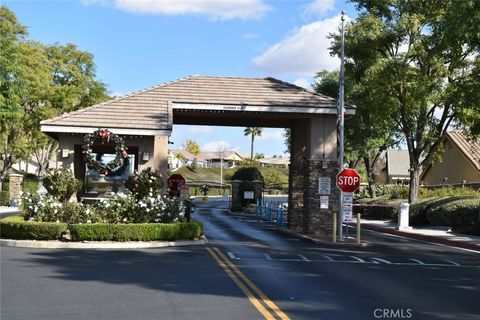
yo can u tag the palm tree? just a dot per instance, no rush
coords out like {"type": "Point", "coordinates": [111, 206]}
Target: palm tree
{"type": "Point", "coordinates": [253, 132]}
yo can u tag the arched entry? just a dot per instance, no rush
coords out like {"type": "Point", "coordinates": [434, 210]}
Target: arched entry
{"type": "Point", "coordinates": [147, 117]}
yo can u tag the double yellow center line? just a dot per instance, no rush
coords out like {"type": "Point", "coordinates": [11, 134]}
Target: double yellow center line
{"type": "Point", "coordinates": [263, 304]}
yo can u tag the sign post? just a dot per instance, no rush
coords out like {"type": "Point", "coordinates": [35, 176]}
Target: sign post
{"type": "Point", "coordinates": [175, 183]}
{"type": "Point", "coordinates": [348, 181]}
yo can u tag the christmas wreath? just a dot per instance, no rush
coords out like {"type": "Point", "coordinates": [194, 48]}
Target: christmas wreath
{"type": "Point", "coordinates": [104, 136]}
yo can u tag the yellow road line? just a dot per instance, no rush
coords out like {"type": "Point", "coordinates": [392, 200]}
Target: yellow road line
{"type": "Point", "coordinates": [262, 295]}
{"type": "Point", "coordinates": [245, 290]}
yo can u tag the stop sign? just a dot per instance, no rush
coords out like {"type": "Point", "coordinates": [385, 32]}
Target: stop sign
{"type": "Point", "coordinates": [175, 181]}
{"type": "Point", "coordinates": [348, 180]}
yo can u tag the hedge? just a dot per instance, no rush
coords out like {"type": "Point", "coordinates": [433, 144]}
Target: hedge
{"type": "Point", "coordinates": [16, 227]}
{"type": "Point", "coordinates": [4, 198]}
{"type": "Point", "coordinates": [136, 232]}
{"type": "Point", "coordinates": [445, 211]}
{"type": "Point", "coordinates": [370, 211]}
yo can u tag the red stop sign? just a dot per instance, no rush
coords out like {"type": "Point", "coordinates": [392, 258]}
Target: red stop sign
{"type": "Point", "coordinates": [348, 180]}
{"type": "Point", "coordinates": [175, 181]}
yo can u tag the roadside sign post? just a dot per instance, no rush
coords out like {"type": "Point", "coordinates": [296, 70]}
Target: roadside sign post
{"type": "Point", "coordinates": [348, 181]}
{"type": "Point", "coordinates": [175, 183]}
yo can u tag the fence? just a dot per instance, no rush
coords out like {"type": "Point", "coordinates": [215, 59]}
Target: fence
{"type": "Point", "coordinates": [273, 211]}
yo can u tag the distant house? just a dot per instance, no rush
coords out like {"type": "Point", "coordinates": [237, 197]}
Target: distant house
{"type": "Point", "coordinates": [180, 158]}
{"type": "Point", "coordinates": [230, 159]}
{"type": "Point", "coordinates": [277, 162]}
{"type": "Point", "coordinates": [458, 163]}
{"type": "Point", "coordinates": [398, 165]}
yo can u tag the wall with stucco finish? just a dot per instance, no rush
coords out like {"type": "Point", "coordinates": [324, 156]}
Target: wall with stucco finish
{"type": "Point", "coordinates": [452, 164]}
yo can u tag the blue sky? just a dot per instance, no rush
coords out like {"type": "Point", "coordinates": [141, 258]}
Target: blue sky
{"type": "Point", "coordinates": [142, 43]}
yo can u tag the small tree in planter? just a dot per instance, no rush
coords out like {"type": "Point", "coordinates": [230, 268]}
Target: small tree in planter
{"type": "Point", "coordinates": [61, 184]}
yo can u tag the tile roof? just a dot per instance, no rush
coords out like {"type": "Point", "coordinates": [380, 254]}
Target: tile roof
{"type": "Point", "coordinates": [469, 147]}
{"type": "Point", "coordinates": [187, 155]}
{"type": "Point", "coordinates": [149, 110]}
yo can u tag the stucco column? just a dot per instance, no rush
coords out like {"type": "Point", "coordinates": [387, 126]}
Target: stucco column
{"type": "Point", "coordinates": [160, 155]}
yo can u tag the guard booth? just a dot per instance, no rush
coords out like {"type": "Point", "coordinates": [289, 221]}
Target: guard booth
{"type": "Point", "coordinates": [146, 118]}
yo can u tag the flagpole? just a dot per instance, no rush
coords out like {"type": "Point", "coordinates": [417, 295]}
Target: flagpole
{"type": "Point", "coordinates": [340, 124]}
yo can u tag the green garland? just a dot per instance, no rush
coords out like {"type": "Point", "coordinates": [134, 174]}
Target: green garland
{"type": "Point", "coordinates": [104, 136]}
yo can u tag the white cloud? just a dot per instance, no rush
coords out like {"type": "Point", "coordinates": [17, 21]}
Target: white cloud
{"type": "Point", "coordinates": [318, 7]}
{"type": "Point", "coordinates": [304, 83]}
{"type": "Point", "coordinates": [250, 36]}
{"type": "Point", "coordinates": [303, 53]}
{"type": "Point", "coordinates": [215, 9]}
{"type": "Point", "coordinates": [216, 146]}
{"type": "Point", "coordinates": [271, 134]}
{"type": "Point", "coordinates": [201, 129]}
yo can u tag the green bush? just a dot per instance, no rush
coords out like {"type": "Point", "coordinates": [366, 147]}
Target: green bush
{"type": "Point", "coordinates": [454, 212]}
{"type": "Point", "coordinates": [4, 198]}
{"type": "Point", "coordinates": [248, 174]}
{"type": "Point", "coordinates": [382, 212]}
{"type": "Point", "coordinates": [61, 184]}
{"type": "Point", "coordinates": [447, 191]}
{"type": "Point", "coordinates": [16, 227]}
{"type": "Point", "coordinates": [136, 232]}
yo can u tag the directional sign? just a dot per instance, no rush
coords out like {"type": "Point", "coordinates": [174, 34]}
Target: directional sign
{"type": "Point", "coordinates": [175, 181]}
{"type": "Point", "coordinates": [348, 180]}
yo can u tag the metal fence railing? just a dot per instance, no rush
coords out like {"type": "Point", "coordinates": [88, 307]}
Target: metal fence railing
{"type": "Point", "coordinates": [273, 211]}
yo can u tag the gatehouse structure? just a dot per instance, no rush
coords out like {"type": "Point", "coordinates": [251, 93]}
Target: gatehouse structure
{"type": "Point", "coordinates": [145, 120]}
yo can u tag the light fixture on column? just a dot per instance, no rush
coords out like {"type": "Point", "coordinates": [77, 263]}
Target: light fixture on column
{"type": "Point", "coordinates": [146, 156]}
{"type": "Point", "coordinates": [65, 153]}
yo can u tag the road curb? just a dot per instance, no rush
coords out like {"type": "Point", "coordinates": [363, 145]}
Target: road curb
{"type": "Point", "coordinates": [323, 242]}
{"type": "Point", "coordinates": [434, 239]}
{"type": "Point", "coordinates": [101, 245]}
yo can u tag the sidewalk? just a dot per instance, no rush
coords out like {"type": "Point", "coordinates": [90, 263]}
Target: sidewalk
{"type": "Point", "coordinates": [8, 211]}
{"type": "Point", "coordinates": [441, 235]}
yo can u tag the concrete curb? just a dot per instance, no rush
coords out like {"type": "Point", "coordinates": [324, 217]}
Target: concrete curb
{"type": "Point", "coordinates": [101, 245]}
{"type": "Point", "coordinates": [323, 242]}
{"type": "Point", "coordinates": [423, 237]}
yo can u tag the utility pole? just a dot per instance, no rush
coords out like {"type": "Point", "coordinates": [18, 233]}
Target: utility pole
{"type": "Point", "coordinates": [340, 123]}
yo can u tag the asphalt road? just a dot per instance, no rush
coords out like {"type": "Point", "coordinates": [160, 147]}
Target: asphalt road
{"type": "Point", "coordinates": [248, 271]}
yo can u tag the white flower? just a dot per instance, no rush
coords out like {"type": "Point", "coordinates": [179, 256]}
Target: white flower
{"type": "Point", "coordinates": [89, 221]}
{"type": "Point", "coordinates": [31, 219]}
{"type": "Point", "coordinates": [125, 219]}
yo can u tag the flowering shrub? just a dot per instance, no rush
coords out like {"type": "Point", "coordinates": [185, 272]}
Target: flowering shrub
{"type": "Point", "coordinates": [120, 208]}
{"type": "Point", "coordinates": [128, 209]}
{"type": "Point", "coordinates": [146, 183]}
{"type": "Point", "coordinates": [41, 208]}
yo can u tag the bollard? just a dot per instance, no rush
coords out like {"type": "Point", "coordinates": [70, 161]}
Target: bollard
{"type": "Point", "coordinates": [359, 217]}
{"type": "Point", "coordinates": [334, 235]}
{"type": "Point", "coordinates": [403, 215]}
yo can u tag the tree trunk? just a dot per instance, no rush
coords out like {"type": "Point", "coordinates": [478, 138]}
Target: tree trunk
{"type": "Point", "coordinates": [251, 149]}
{"type": "Point", "coordinates": [415, 172]}
{"type": "Point", "coordinates": [370, 176]}
{"type": "Point", "coordinates": [7, 164]}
